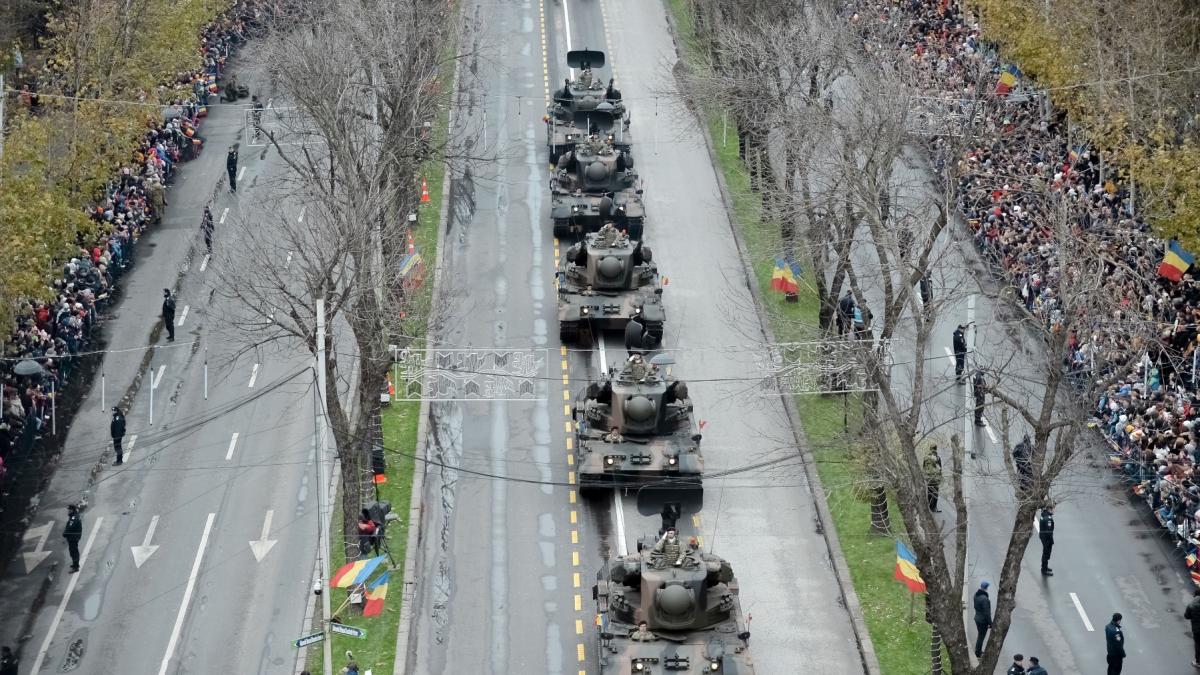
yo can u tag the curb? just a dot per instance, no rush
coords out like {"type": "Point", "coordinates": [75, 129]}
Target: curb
{"type": "Point", "coordinates": [416, 508]}
{"type": "Point", "coordinates": [866, 648]}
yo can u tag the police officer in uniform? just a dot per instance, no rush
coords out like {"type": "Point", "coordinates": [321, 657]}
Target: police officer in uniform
{"type": "Point", "coordinates": [1017, 667]}
{"type": "Point", "coordinates": [116, 428]}
{"type": "Point", "coordinates": [1046, 534]}
{"type": "Point", "coordinates": [960, 352]}
{"type": "Point", "coordinates": [73, 532]}
{"type": "Point", "coordinates": [1115, 642]}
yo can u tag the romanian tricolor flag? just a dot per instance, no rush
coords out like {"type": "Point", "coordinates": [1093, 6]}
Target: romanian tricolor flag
{"type": "Point", "coordinates": [1008, 79]}
{"type": "Point", "coordinates": [376, 592]}
{"type": "Point", "coordinates": [906, 569]}
{"type": "Point", "coordinates": [357, 572]}
{"type": "Point", "coordinates": [1075, 153]}
{"type": "Point", "coordinates": [783, 279]}
{"type": "Point", "coordinates": [1176, 262]}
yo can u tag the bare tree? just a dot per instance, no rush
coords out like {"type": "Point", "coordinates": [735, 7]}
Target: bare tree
{"type": "Point", "coordinates": [359, 80]}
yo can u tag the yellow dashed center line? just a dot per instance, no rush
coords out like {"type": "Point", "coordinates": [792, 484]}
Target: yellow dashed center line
{"type": "Point", "coordinates": [579, 650]}
{"type": "Point", "coordinates": [574, 558]}
{"type": "Point", "coordinates": [576, 580]}
{"type": "Point", "coordinates": [579, 626]}
{"type": "Point", "coordinates": [574, 536]}
{"type": "Point", "coordinates": [578, 602]}
{"type": "Point", "coordinates": [570, 460]}
{"type": "Point", "coordinates": [566, 395]}
{"type": "Point", "coordinates": [574, 516]}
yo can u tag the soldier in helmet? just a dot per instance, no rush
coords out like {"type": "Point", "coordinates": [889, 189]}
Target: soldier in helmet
{"type": "Point", "coordinates": [637, 367]}
{"type": "Point", "coordinates": [643, 634]}
{"type": "Point", "coordinates": [586, 77]}
{"type": "Point", "coordinates": [613, 436]}
{"type": "Point", "coordinates": [608, 235]}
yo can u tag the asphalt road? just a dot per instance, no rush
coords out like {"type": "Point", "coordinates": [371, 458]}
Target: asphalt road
{"type": "Point", "coordinates": [170, 582]}
{"type": "Point", "coordinates": [509, 564]}
{"type": "Point", "coordinates": [1109, 555]}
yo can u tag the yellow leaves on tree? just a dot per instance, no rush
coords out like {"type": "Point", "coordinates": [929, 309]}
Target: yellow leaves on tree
{"type": "Point", "coordinates": [111, 62]}
{"type": "Point", "coordinates": [1168, 178]}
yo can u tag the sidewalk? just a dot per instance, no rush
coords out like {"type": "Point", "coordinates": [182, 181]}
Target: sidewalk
{"type": "Point", "coordinates": [132, 335]}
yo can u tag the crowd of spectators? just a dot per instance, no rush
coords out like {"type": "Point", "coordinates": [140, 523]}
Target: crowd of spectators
{"type": "Point", "coordinates": [56, 334]}
{"type": "Point", "coordinates": [1023, 161]}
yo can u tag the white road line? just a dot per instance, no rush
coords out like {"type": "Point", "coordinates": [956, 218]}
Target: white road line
{"type": "Point", "coordinates": [567, 23]}
{"type": "Point", "coordinates": [288, 262]}
{"type": "Point", "coordinates": [241, 172]}
{"type": "Point", "coordinates": [62, 606]}
{"type": "Point", "coordinates": [129, 445]}
{"type": "Point", "coordinates": [991, 434]}
{"type": "Point", "coordinates": [1082, 614]}
{"type": "Point", "coordinates": [182, 316]}
{"type": "Point", "coordinates": [158, 378]}
{"type": "Point", "coordinates": [620, 515]}
{"type": "Point", "coordinates": [600, 336]}
{"type": "Point", "coordinates": [302, 210]}
{"type": "Point", "coordinates": [232, 445]}
{"type": "Point", "coordinates": [187, 596]}
{"type": "Point", "coordinates": [204, 263]}
{"type": "Point", "coordinates": [254, 374]}
{"type": "Point", "coordinates": [1036, 526]}
{"type": "Point", "coordinates": [223, 214]}
{"type": "Point", "coordinates": [949, 355]}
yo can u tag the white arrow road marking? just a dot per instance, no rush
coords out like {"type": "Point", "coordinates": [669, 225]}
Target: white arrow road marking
{"type": "Point", "coordinates": [254, 374]}
{"type": "Point", "coordinates": [262, 547]}
{"type": "Point", "coordinates": [204, 263]}
{"type": "Point", "coordinates": [187, 596]}
{"type": "Point", "coordinates": [143, 552]}
{"type": "Point", "coordinates": [158, 378]}
{"type": "Point", "coordinates": [38, 554]}
{"type": "Point", "coordinates": [129, 445]}
{"type": "Point", "coordinates": [232, 445]}
{"type": "Point", "coordinates": [62, 605]}
{"type": "Point", "coordinates": [223, 214]}
{"type": "Point", "coordinates": [1079, 608]}
{"type": "Point", "coordinates": [183, 316]}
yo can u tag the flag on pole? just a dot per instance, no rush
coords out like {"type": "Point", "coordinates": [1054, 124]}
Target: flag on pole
{"type": "Point", "coordinates": [376, 592]}
{"type": "Point", "coordinates": [783, 278]}
{"type": "Point", "coordinates": [355, 573]}
{"type": "Point", "coordinates": [906, 569]}
{"type": "Point", "coordinates": [1176, 262]}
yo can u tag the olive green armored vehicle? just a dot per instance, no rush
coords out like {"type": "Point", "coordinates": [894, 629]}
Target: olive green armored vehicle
{"type": "Point", "coordinates": [635, 428]}
{"type": "Point", "coordinates": [671, 608]}
{"type": "Point", "coordinates": [584, 107]}
{"type": "Point", "coordinates": [606, 282]}
{"type": "Point", "coordinates": [595, 184]}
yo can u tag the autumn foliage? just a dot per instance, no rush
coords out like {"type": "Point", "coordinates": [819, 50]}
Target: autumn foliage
{"type": "Point", "coordinates": [101, 75]}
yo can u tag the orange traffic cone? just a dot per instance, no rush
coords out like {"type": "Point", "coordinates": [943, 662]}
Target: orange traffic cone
{"type": "Point", "coordinates": [412, 247]}
{"type": "Point", "coordinates": [424, 191]}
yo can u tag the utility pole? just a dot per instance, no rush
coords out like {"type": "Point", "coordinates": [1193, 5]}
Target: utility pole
{"type": "Point", "coordinates": [324, 506]}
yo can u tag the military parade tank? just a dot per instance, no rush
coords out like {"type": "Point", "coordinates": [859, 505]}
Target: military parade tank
{"type": "Point", "coordinates": [609, 282]}
{"type": "Point", "coordinates": [595, 183]}
{"type": "Point", "coordinates": [586, 106]}
{"type": "Point", "coordinates": [635, 428]}
{"type": "Point", "coordinates": [688, 601]}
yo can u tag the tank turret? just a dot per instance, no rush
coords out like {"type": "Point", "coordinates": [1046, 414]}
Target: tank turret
{"type": "Point", "coordinates": [671, 607]}
{"type": "Point", "coordinates": [593, 184]}
{"type": "Point", "coordinates": [609, 282]}
{"type": "Point", "coordinates": [635, 428]}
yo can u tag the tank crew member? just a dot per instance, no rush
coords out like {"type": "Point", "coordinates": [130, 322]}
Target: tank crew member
{"type": "Point", "coordinates": [586, 77]}
{"type": "Point", "coordinates": [670, 547]}
{"type": "Point", "coordinates": [642, 634]}
{"type": "Point", "coordinates": [613, 436]}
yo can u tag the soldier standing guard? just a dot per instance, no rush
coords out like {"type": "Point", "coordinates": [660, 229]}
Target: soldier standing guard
{"type": "Point", "coordinates": [933, 477]}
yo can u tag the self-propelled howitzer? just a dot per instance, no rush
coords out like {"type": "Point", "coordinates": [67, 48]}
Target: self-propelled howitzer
{"type": "Point", "coordinates": [636, 428]}
{"type": "Point", "coordinates": [689, 602]}
{"type": "Point", "coordinates": [609, 282]}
